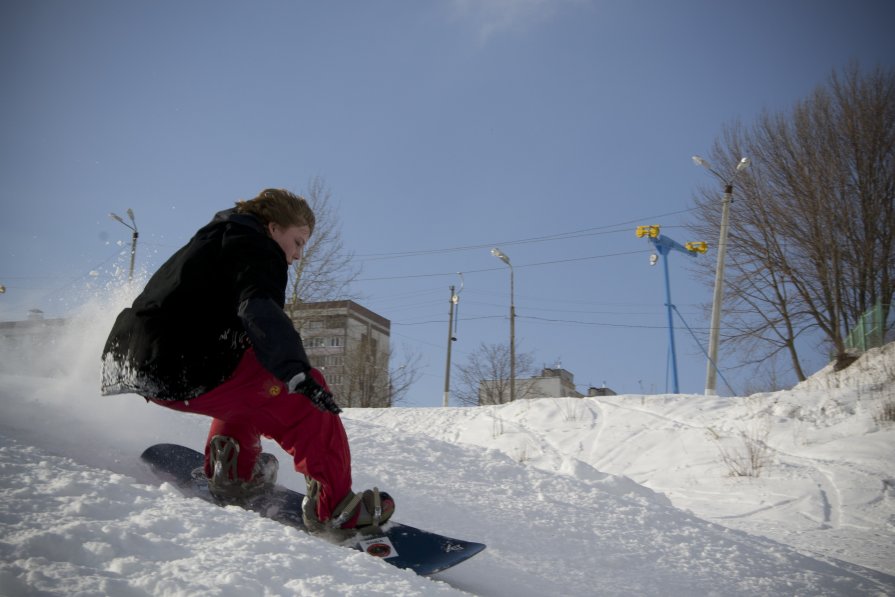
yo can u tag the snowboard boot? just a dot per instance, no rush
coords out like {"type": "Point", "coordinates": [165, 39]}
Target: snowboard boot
{"type": "Point", "coordinates": [357, 512]}
{"type": "Point", "coordinates": [224, 483]}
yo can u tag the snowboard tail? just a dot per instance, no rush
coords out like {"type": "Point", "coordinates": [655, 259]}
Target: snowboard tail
{"type": "Point", "coordinates": [400, 545]}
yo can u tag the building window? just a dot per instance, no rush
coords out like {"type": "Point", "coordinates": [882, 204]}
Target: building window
{"type": "Point", "coordinates": [335, 322]}
{"type": "Point", "coordinates": [335, 341]}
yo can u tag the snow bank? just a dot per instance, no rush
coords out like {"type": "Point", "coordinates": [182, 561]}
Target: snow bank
{"type": "Point", "coordinates": [873, 369]}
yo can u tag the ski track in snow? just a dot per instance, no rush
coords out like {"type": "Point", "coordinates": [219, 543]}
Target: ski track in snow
{"type": "Point", "coordinates": [822, 469]}
{"type": "Point", "coordinates": [824, 510]}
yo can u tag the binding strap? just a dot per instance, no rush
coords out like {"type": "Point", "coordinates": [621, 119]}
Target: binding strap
{"type": "Point", "coordinates": [346, 511]}
{"type": "Point", "coordinates": [354, 502]}
{"type": "Point", "coordinates": [225, 454]}
{"type": "Point", "coordinates": [377, 507]}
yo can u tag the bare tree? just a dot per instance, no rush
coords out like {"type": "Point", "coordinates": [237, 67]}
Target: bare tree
{"type": "Point", "coordinates": [327, 270]}
{"type": "Point", "coordinates": [485, 376]}
{"type": "Point", "coordinates": [366, 379]}
{"type": "Point", "coordinates": [404, 375]}
{"type": "Point", "coordinates": [326, 273]}
{"type": "Point", "coordinates": [812, 229]}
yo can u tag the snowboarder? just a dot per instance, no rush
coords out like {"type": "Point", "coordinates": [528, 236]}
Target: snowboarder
{"type": "Point", "coordinates": [208, 335]}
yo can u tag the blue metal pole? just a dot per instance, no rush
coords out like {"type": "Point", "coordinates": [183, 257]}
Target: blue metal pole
{"type": "Point", "coordinates": [664, 246]}
{"type": "Point", "coordinates": [668, 305]}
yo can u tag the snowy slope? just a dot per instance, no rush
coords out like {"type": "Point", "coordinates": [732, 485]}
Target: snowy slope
{"type": "Point", "coordinates": [828, 485]}
{"type": "Point", "coordinates": [610, 496]}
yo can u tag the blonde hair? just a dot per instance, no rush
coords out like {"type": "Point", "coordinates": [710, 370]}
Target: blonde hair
{"type": "Point", "coordinates": [280, 207]}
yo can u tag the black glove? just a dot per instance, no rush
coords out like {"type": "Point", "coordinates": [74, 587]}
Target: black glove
{"type": "Point", "coordinates": [306, 386]}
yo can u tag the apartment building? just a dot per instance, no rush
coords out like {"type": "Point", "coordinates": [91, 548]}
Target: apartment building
{"type": "Point", "coordinates": [351, 345]}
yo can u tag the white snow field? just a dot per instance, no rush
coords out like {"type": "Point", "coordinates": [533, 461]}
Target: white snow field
{"type": "Point", "coordinates": [621, 495]}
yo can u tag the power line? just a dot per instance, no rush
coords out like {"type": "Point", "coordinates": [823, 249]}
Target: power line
{"type": "Point", "coordinates": [442, 321]}
{"type": "Point", "coordinates": [491, 269]}
{"type": "Point", "coordinates": [593, 231]}
{"type": "Point", "coordinates": [595, 323]}
{"type": "Point", "coordinates": [551, 320]}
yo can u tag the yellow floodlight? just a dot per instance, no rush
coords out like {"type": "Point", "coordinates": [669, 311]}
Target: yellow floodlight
{"type": "Point", "coordinates": [650, 231]}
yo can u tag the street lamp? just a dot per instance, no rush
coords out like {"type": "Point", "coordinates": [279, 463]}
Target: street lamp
{"type": "Point", "coordinates": [502, 256]}
{"type": "Point", "coordinates": [712, 366]}
{"type": "Point", "coordinates": [664, 246]}
{"type": "Point", "coordinates": [134, 235]}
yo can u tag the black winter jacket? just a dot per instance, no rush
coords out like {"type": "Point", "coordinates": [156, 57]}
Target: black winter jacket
{"type": "Point", "coordinates": [188, 329]}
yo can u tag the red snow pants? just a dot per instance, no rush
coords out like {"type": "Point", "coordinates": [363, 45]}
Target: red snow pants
{"type": "Point", "coordinates": [252, 403]}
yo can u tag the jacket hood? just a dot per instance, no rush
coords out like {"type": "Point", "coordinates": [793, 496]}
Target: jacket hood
{"type": "Point", "coordinates": [230, 216]}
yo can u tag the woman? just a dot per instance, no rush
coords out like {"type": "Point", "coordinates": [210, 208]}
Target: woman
{"type": "Point", "coordinates": [208, 335]}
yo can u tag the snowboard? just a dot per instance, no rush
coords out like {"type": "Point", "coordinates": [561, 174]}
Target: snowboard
{"type": "Point", "coordinates": [398, 544]}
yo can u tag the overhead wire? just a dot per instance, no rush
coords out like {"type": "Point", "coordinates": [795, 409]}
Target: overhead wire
{"type": "Point", "coordinates": [492, 269]}
{"type": "Point", "coordinates": [593, 231]}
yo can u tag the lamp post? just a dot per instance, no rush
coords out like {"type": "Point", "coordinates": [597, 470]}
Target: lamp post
{"type": "Point", "coordinates": [714, 329]}
{"type": "Point", "coordinates": [455, 300]}
{"type": "Point", "coordinates": [502, 256]}
{"type": "Point", "coordinates": [664, 246]}
{"type": "Point", "coordinates": [134, 235]}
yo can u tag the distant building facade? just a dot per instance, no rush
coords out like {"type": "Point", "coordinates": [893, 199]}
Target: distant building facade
{"type": "Point", "coordinates": [351, 345]}
{"type": "Point", "coordinates": [593, 392]}
{"type": "Point", "coordinates": [553, 382]}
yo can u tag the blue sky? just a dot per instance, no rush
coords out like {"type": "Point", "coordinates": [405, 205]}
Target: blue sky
{"type": "Point", "coordinates": [441, 128]}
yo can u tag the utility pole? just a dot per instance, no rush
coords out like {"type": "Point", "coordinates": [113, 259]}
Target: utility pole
{"type": "Point", "coordinates": [455, 299]}
{"type": "Point", "coordinates": [715, 326]}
